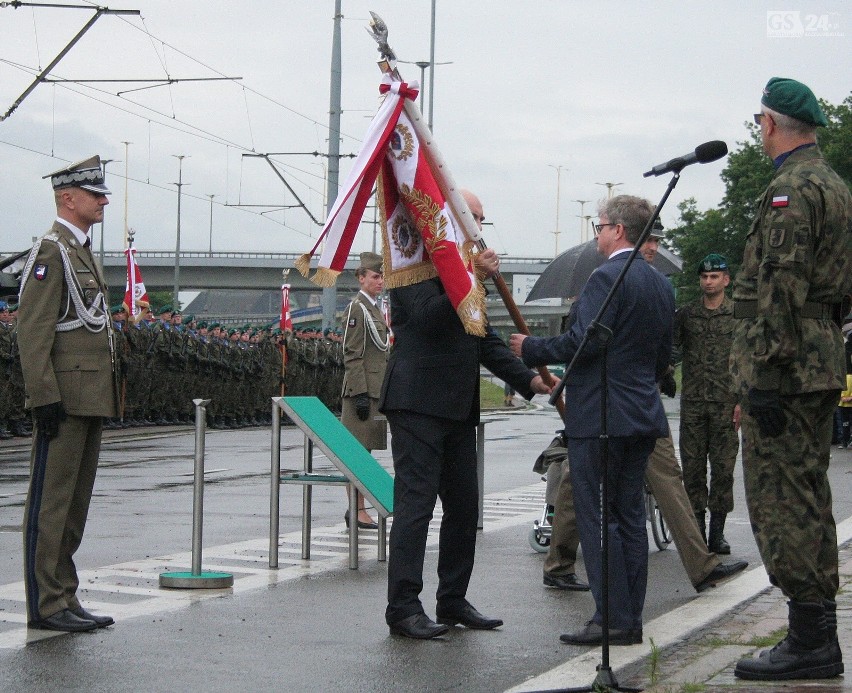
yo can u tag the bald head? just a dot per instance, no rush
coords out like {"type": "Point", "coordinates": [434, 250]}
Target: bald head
{"type": "Point", "coordinates": [475, 207]}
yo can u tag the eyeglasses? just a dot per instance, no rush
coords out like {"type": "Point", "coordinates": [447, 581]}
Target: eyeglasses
{"type": "Point", "coordinates": [598, 227]}
{"type": "Point", "coordinates": [758, 117]}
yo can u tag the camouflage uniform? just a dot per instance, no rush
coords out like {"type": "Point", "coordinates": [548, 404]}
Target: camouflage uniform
{"type": "Point", "coordinates": [707, 404]}
{"type": "Point", "coordinates": [796, 268]}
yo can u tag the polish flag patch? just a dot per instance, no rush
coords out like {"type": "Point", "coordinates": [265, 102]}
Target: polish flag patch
{"type": "Point", "coordinates": [40, 272]}
{"type": "Point", "coordinates": [781, 201]}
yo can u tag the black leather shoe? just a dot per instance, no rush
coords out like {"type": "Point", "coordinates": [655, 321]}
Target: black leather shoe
{"type": "Point", "coordinates": [592, 634]}
{"type": "Point", "coordinates": [100, 621]}
{"type": "Point", "coordinates": [418, 626]}
{"type": "Point", "coordinates": [467, 616]}
{"type": "Point", "coordinates": [361, 523]}
{"type": "Point", "coordinates": [65, 621]}
{"type": "Point", "coordinates": [722, 572]}
{"type": "Point", "coordinates": [565, 582]}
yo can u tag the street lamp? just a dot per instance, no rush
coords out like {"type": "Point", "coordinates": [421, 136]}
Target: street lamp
{"type": "Point", "coordinates": [179, 184]}
{"type": "Point", "coordinates": [556, 232]}
{"type": "Point", "coordinates": [211, 225]}
{"type": "Point", "coordinates": [609, 187]}
{"type": "Point", "coordinates": [583, 227]}
{"type": "Point", "coordinates": [126, 179]}
{"type": "Point", "coordinates": [423, 64]}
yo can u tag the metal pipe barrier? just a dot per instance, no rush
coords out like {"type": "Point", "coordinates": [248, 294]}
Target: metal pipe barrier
{"type": "Point", "coordinates": [197, 579]}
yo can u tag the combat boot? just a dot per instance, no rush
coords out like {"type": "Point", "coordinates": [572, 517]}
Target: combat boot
{"type": "Point", "coordinates": [831, 629]}
{"type": "Point", "coordinates": [702, 526]}
{"type": "Point", "coordinates": [806, 653]}
{"type": "Point", "coordinates": [718, 543]}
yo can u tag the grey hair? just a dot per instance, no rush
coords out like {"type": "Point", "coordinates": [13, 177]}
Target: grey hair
{"type": "Point", "coordinates": [628, 210]}
{"type": "Point", "coordinates": [792, 125]}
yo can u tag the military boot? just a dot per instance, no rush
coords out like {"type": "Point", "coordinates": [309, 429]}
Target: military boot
{"type": "Point", "coordinates": [702, 526]}
{"type": "Point", "coordinates": [718, 543]}
{"type": "Point", "coordinates": [831, 629]}
{"type": "Point", "coordinates": [806, 653]}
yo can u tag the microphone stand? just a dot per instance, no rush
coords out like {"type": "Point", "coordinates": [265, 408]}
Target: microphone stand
{"type": "Point", "coordinates": [605, 679]}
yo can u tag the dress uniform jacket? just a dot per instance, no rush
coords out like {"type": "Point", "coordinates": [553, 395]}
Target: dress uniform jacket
{"type": "Point", "coordinates": [365, 357]}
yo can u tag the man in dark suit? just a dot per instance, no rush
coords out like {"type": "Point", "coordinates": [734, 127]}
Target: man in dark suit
{"type": "Point", "coordinates": [430, 396]}
{"type": "Point", "coordinates": [65, 339]}
{"type": "Point", "coordinates": [638, 325]}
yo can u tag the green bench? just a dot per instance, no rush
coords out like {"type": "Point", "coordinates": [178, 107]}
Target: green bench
{"type": "Point", "coordinates": [357, 467]}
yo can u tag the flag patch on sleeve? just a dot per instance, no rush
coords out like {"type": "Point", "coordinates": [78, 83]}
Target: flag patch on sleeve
{"type": "Point", "coordinates": [781, 201]}
{"type": "Point", "coordinates": [40, 272]}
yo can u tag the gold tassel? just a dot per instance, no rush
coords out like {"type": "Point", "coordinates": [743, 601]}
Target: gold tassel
{"type": "Point", "coordinates": [410, 275]}
{"type": "Point", "coordinates": [303, 264]}
{"type": "Point", "coordinates": [474, 301]}
{"type": "Point", "coordinates": [325, 277]}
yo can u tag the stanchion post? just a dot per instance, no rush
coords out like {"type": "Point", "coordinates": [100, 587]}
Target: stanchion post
{"type": "Point", "coordinates": [275, 482]}
{"type": "Point", "coordinates": [197, 579]}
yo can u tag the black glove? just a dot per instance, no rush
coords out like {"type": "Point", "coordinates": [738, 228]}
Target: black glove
{"type": "Point", "coordinates": [48, 418]}
{"type": "Point", "coordinates": [668, 386]}
{"type": "Point", "coordinates": [362, 406]}
{"type": "Point", "coordinates": [765, 407]}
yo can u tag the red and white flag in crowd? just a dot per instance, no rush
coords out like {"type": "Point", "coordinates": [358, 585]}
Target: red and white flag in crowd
{"type": "Point", "coordinates": [286, 321]}
{"type": "Point", "coordinates": [135, 294]}
{"type": "Point", "coordinates": [423, 236]}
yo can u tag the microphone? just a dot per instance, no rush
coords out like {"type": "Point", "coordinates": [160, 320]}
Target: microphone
{"type": "Point", "coordinates": [703, 154]}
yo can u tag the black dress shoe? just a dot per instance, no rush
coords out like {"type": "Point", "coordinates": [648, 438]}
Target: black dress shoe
{"type": "Point", "coordinates": [565, 582]}
{"type": "Point", "coordinates": [417, 626]}
{"type": "Point", "coordinates": [722, 572]}
{"type": "Point", "coordinates": [467, 616]}
{"type": "Point", "coordinates": [592, 634]}
{"type": "Point", "coordinates": [361, 523]}
{"type": "Point", "coordinates": [65, 621]}
{"type": "Point", "coordinates": [100, 621]}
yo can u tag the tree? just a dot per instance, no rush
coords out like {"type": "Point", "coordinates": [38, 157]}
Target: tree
{"type": "Point", "coordinates": [746, 175]}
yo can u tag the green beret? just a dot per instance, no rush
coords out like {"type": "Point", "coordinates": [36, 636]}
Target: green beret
{"type": "Point", "coordinates": [164, 309]}
{"type": "Point", "coordinates": [232, 331]}
{"type": "Point", "coordinates": [713, 263]}
{"type": "Point", "coordinates": [118, 308]}
{"type": "Point", "coordinates": [188, 318]}
{"type": "Point", "coordinates": [214, 325]}
{"type": "Point", "coordinates": [202, 324]}
{"type": "Point", "coordinates": [793, 99]}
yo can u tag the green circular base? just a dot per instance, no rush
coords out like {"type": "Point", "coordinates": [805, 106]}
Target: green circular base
{"type": "Point", "coordinates": [209, 581]}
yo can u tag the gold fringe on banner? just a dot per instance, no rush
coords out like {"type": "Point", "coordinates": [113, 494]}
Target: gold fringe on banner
{"type": "Point", "coordinates": [472, 303]}
{"type": "Point", "coordinates": [303, 264]}
{"type": "Point", "coordinates": [325, 277]}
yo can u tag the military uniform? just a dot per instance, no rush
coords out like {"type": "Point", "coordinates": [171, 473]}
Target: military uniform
{"type": "Point", "coordinates": [707, 403]}
{"type": "Point", "coordinates": [65, 338]}
{"type": "Point", "coordinates": [788, 365]}
{"type": "Point", "coordinates": [365, 356]}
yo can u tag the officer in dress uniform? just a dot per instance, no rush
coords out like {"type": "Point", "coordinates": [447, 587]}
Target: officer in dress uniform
{"type": "Point", "coordinates": [66, 347]}
{"type": "Point", "coordinates": [365, 357]}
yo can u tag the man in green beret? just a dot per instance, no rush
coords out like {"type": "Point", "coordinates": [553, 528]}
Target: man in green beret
{"type": "Point", "coordinates": [788, 367]}
{"type": "Point", "coordinates": [709, 414]}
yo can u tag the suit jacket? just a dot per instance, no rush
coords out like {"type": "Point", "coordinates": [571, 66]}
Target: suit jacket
{"type": "Point", "coordinates": [640, 317]}
{"type": "Point", "coordinates": [363, 361]}
{"type": "Point", "coordinates": [433, 367]}
{"type": "Point", "coordinates": [74, 367]}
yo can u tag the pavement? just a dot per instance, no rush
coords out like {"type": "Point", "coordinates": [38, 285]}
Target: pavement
{"type": "Point", "coordinates": [315, 625]}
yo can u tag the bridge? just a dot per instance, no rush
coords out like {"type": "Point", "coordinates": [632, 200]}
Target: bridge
{"type": "Point", "coordinates": [245, 286]}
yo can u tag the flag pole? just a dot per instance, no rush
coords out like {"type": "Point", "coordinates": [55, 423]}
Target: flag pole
{"type": "Point", "coordinates": [379, 31]}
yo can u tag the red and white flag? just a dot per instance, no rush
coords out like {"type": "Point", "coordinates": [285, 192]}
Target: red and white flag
{"type": "Point", "coordinates": [423, 236]}
{"type": "Point", "coordinates": [135, 294]}
{"type": "Point", "coordinates": [286, 321]}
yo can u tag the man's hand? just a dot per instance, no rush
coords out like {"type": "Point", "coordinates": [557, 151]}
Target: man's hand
{"type": "Point", "coordinates": [765, 407]}
{"type": "Point", "coordinates": [538, 386]}
{"type": "Point", "coordinates": [362, 406]}
{"type": "Point", "coordinates": [48, 417]}
{"type": "Point", "coordinates": [488, 262]}
{"type": "Point", "coordinates": [515, 344]}
{"type": "Point", "coordinates": [668, 386]}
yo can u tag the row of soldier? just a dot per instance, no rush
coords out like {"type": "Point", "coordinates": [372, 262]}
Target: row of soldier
{"type": "Point", "coordinates": [167, 359]}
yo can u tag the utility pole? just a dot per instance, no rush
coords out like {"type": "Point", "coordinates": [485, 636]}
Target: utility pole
{"type": "Point", "coordinates": [432, 68]}
{"type": "Point", "coordinates": [329, 294]}
{"type": "Point", "coordinates": [104, 163]}
{"type": "Point", "coordinates": [179, 184]}
{"type": "Point", "coordinates": [556, 232]}
{"type": "Point", "coordinates": [126, 179]}
{"type": "Point", "coordinates": [210, 250]}
{"type": "Point", "coordinates": [583, 228]}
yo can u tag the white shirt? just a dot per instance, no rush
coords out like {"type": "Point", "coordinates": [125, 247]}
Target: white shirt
{"type": "Point", "coordinates": [78, 234]}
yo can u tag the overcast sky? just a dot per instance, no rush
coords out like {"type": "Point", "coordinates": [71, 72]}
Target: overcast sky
{"type": "Point", "coordinates": [604, 89]}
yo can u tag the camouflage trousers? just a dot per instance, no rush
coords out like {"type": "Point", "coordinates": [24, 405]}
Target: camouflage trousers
{"type": "Point", "coordinates": [789, 498]}
{"type": "Point", "coordinates": [707, 433]}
